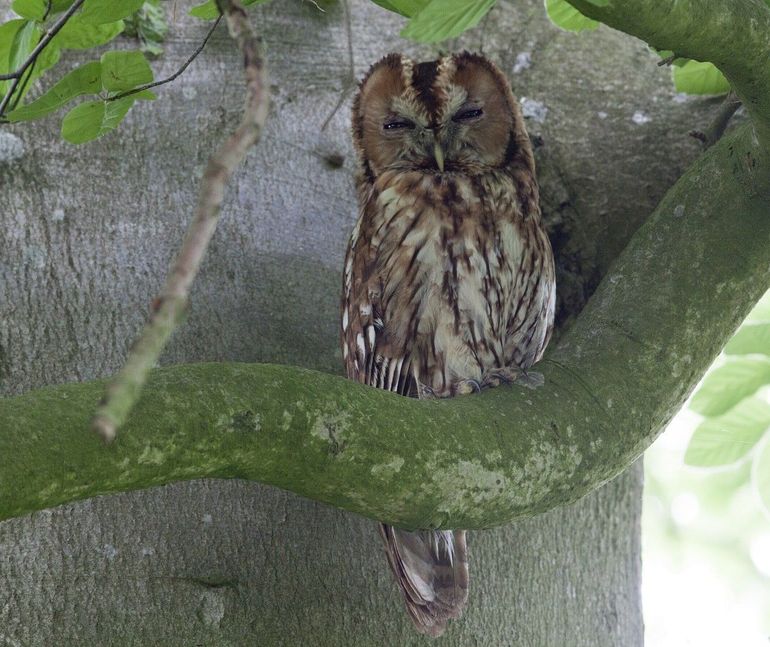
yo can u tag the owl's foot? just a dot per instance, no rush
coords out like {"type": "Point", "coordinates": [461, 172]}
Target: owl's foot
{"type": "Point", "coordinates": [512, 375]}
{"type": "Point", "coordinates": [466, 387]}
{"type": "Point", "coordinates": [497, 376]}
{"type": "Point", "coordinates": [424, 392]}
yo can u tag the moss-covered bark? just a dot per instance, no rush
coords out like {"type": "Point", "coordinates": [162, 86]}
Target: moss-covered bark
{"type": "Point", "coordinates": [666, 307]}
{"type": "Point", "coordinates": [734, 35]}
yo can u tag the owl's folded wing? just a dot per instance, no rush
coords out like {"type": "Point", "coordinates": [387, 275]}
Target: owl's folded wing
{"type": "Point", "coordinates": [369, 354]}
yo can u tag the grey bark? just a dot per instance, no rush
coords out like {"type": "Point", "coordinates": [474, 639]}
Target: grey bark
{"type": "Point", "coordinates": [85, 239]}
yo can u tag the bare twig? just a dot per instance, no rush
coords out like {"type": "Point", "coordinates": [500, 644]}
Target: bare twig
{"type": "Point", "coordinates": [350, 82]}
{"type": "Point", "coordinates": [717, 128]}
{"type": "Point", "coordinates": [176, 74]}
{"type": "Point", "coordinates": [170, 306]}
{"type": "Point", "coordinates": [668, 60]}
{"type": "Point", "coordinates": [47, 37]}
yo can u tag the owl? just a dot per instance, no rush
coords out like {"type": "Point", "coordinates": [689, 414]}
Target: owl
{"type": "Point", "coordinates": [449, 281]}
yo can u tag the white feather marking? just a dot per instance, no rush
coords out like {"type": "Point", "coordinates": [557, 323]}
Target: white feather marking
{"type": "Point", "coordinates": [372, 335]}
{"type": "Point", "coordinates": [361, 347]}
{"type": "Point", "coordinates": [383, 371]}
{"type": "Point", "coordinates": [344, 351]}
{"type": "Point", "coordinates": [366, 310]}
{"type": "Point", "coordinates": [399, 366]}
{"type": "Point", "coordinates": [345, 319]}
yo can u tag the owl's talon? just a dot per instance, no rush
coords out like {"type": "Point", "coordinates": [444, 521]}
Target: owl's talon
{"type": "Point", "coordinates": [424, 392]}
{"type": "Point", "coordinates": [498, 376]}
{"type": "Point", "coordinates": [466, 387]}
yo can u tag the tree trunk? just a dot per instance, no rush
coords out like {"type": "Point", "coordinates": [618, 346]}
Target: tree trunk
{"type": "Point", "coordinates": [86, 235]}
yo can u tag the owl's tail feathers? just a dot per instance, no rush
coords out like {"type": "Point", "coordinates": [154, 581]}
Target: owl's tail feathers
{"type": "Point", "coordinates": [431, 568]}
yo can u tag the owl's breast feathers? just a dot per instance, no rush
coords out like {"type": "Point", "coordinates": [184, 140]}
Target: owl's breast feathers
{"type": "Point", "coordinates": [446, 277]}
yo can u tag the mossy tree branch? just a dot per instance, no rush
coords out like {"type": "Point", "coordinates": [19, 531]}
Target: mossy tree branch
{"type": "Point", "coordinates": [670, 302]}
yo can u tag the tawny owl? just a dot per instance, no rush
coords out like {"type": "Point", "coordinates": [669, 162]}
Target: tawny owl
{"type": "Point", "coordinates": [449, 282]}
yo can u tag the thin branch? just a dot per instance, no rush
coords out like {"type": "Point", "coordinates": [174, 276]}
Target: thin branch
{"type": "Point", "coordinates": [23, 86]}
{"type": "Point", "coordinates": [350, 82]}
{"type": "Point", "coordinates": [717, 128]}
{"type": "Point", "coordinates": [176, 74]}
{"type": "Point", "coordinates": [668, 60]}
{"type": "Point", "coordinates": [170, 306]}
{"type": "Point", "coordinates": [47, 37]}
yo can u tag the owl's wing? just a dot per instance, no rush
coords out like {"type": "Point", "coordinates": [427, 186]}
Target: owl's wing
{"type": "Point", "coordinates": [371, 353]}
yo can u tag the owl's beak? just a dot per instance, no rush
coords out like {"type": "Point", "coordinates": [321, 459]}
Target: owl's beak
{"type": "Point", "coordinates": [438, 153]}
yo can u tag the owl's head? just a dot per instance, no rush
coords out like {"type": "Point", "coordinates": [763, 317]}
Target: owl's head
{"type": "Point", "coordinates": [453, 115]}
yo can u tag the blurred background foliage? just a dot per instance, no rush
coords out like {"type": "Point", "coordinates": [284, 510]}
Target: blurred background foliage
{"type": "Point", "coordinates": [706, 522]}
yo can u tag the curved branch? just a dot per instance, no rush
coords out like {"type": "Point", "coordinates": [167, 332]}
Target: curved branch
{"type": "Point", "coordinates": [684, 283]}
{"type": "Point", "coordinates": [733, 35]}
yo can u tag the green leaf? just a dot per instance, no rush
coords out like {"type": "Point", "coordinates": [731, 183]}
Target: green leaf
{"type": "Point", "coordinates": [149, 26]}
{"type": "Point", "coordinates": [442, 19]}
{"type": "Point", "coordinates": [599, 3]}
{"type": "Point", "coordinates": [761, 311]}
{"type": "Point", "coordinates": [209, 10]}
{"type": "Point", "coordinates": [8, 33]}
{"type": "Point", "coordinates": [77, 34]}
{"type": "Point", "coordinates": [760, 475]}
{"type": "Point", "coordinates": [750, 339]}
{"type": "Point", "coordinates": [60, 5]}
{"type": "Point", "coordinates": [406, 8]}
{"type": "Point", "coordinates": [23, 43]}
{"type": "Point", "coordinates": [98, 12]}
{"type": "Point", "coordinates": [124, 70]}
{"type": "Point", "coordinates": [93, 119]}
{"type": "Point", "coordinates": [727, 385]}
{"type": "Point", "coordinates": [31, 9]}
{"type": "Point", "coordinates": [695, 77]}
{"type": "Point", "coordinates": [86, 79]}
{"type": "Point", "coordinates": [22, 36]}
{"type": "Point", "coordinates": [725, 440]}
{"type": "Point", "coordinates": [564, 15]}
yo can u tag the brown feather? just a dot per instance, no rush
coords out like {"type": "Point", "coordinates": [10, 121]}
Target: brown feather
{"type": "Point", "coordinates": [449, 275]}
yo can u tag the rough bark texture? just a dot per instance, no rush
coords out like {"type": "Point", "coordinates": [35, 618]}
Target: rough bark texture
{"type": "Point", "coordinates": [86, 235]}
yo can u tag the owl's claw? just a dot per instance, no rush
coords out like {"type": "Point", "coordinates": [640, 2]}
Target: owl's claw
{"type": "Point", "coordinates": [512, 375]}
{"type": "Point", "coordinates": [424, 392]}
{"type": "Point", "coordinates": [466, 387]}
{"type": "Point", "coordinates": [498, 376]}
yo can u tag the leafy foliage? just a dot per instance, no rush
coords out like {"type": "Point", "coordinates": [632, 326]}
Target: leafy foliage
{"type": "Point", "coordinates": [735, 401]}
{"type": "Point", "coordinates": [116, 73]}
{"type": "Point", "coordinates": [209, 10]}
{"type": "Point", "coordinates": [695, 77]}
{"type": "Point", "coordinates": [564, 15]}
{"type": "Point", "coordinates": [442, 19]}
{"type": "Point", "coordinates": [149, 26]}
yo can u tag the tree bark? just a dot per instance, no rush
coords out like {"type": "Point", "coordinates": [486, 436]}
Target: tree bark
{"type": "Point", "coordinates": [85, 240]}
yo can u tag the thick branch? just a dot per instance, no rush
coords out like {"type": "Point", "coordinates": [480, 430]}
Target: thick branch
{"type": "Point", "coordinates": [170, 306]}
{"type": "Point", "coordinates": [686, 280]}
{"type": "Point", "coordinates": [734, 35]}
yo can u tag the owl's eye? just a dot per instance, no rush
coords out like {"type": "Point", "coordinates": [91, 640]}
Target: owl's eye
{"type": "Point", "coordinates": [398, 123]}
{"type": "Point", "coordinates": [467, 114]}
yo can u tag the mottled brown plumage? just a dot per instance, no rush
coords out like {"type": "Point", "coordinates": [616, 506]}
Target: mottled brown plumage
{"type": "Point", "coordinates": [449, 280]}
